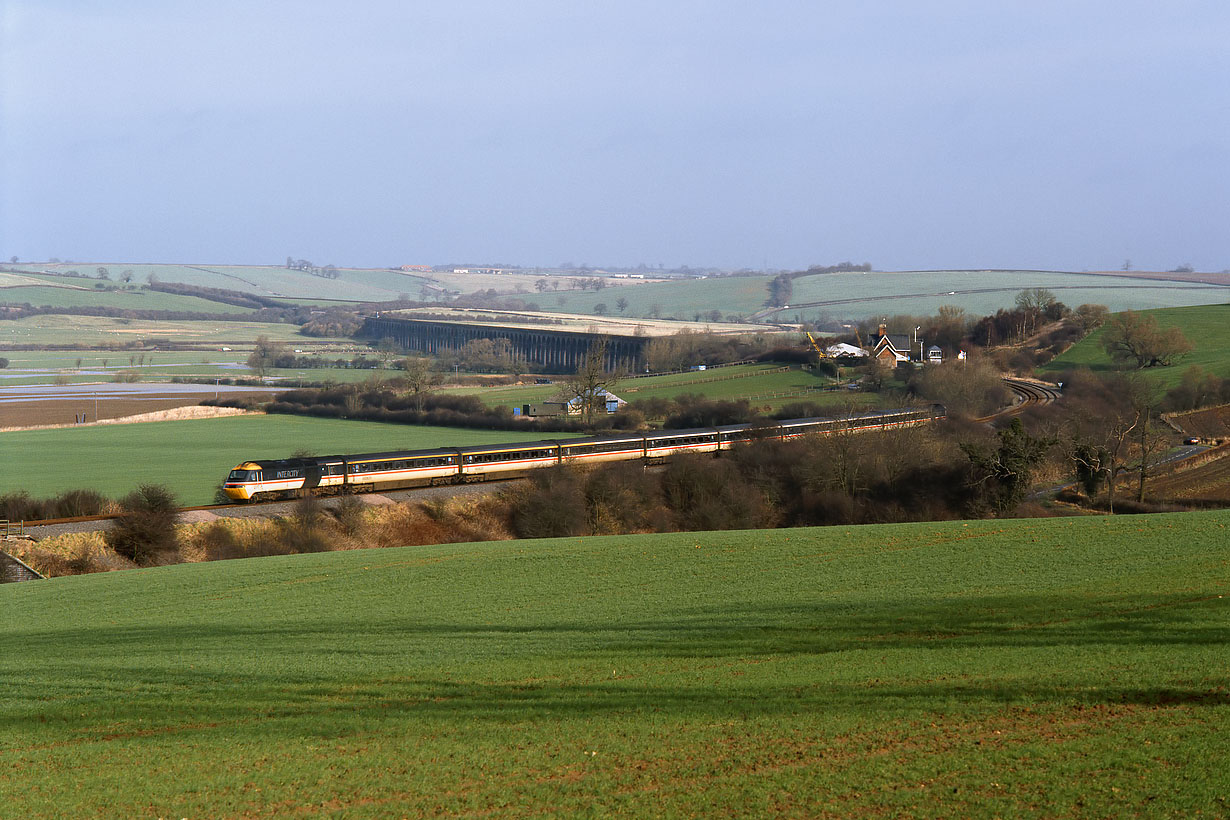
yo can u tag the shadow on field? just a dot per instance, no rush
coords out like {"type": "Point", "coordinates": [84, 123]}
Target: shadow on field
{"type": "Point", "coordinates": [828, 656]}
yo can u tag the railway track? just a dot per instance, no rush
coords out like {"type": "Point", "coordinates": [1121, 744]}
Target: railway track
{"type": "Point", "coordinates": [87, 523]}
{"type": "Point", "coordinates": [1026, 394]}
{"type": "Point", "coordinates": [489, 468]}
{"type": "Point", "coordinates": [1033, 392]}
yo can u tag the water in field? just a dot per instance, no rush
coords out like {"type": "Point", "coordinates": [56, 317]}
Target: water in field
{"type": "Point", "coordinates": [133, 392]}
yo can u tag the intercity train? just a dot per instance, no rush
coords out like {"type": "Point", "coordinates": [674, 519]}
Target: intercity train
{"type": "Point", "coordinates": [267, 479]}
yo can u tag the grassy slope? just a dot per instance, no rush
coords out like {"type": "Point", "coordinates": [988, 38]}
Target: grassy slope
{"type": "Point", "coordinates": [123, 299]}
{"type": "Point", "coordinates": [739, 295]}
{"type": "Point", "coordinates": [375, 285]}
{"type": "Point", "coordinates": [91, 330]}
{"type": "Point", "coordinates": [1063, 667]}
{"type": "Point", "coordinates": [193, 457]}
{"type": "Point", "coordinates": [101, 366]}
{"type": "Point", "coordinates": [881, 292]}
{"type": "Point", "coordinates": [877, 293]}
{"type": "Point", "coordinates": [1206, 327]}
{"type": "Point", "coordinates": [756, 380]}
{"type": "Point", "coordinates": [674, 299]}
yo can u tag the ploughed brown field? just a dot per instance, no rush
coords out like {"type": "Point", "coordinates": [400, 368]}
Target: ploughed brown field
{"type": "Point", "coordinates": [42, 412]}
{"type": "Point", "coordinates": [1204, 479]}
{"type": "Point", "coordinates": [1212, 422]}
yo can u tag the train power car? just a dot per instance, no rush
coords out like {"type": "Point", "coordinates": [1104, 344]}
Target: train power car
{"type": "Point", "coordinates": [284, 478]}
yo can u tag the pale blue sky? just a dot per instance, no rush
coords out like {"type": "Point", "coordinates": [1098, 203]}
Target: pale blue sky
{"type": "Point", "coordinates": [1038, 134]}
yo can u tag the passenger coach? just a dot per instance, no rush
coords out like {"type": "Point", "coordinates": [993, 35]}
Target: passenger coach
{"type": "Point", "coordinates": [281, 478]}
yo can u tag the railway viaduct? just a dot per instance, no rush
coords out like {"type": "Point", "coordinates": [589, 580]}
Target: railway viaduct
{"type": "Point", "coordinates": [545, 350]}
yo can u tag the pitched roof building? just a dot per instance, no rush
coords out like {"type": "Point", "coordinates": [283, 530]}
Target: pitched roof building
{"type": "Point", "coordinates": [893, 347]}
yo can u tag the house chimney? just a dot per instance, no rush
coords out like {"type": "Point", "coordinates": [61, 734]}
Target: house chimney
{"type": "Point", "coordinates": [883, 330]}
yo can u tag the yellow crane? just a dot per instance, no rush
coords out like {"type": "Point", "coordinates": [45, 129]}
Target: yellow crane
{"type": "Point", "coordinates": [816, 345]}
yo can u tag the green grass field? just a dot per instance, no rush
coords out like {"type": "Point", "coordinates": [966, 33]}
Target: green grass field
{"type": "Point", "coordinates": [1042, 668]}
{"type": "Point", "coordinates": [756, 382]}
{"type": "Point", "coordinates": [98, 331]}
{"type": "Point", "coordinates": [721, 383]}
{"type": "Point", "coordinates": [1206, 327]}
{"type": "Point", "coordinates": [45, 367]}
{"type": "Point", "coordinates": [99, 366]}
{"type": "Point", "coordinates": [984, 292]}
{"type": "Point", "coordinates": [193, 457]}
{"type": "Point", "coordinates": [351, 284]}
{"type": "Point", "coordinates": [859, 295]}
{"type": "Point", "coordinates": [124, 299]}
{"type": "Point", "coordinates": [868, 295]}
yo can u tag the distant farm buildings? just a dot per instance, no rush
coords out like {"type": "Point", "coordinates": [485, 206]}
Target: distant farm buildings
{"type": "Point", "coordinates": [603, 400]}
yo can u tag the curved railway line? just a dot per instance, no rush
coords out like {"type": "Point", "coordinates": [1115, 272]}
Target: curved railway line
{"type": "Point", "coordinates": [1033, 392]}
{"type": "Point", "coordinates": [1027, 394]}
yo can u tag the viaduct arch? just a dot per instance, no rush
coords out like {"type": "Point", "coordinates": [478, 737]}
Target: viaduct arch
{"type": "Point", "coordinates": [545, 350]}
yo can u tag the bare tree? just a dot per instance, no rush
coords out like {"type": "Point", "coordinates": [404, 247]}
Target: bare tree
{"type": "Point", "coordinates": [1150, 437]}
{"type": "Point", "coordinates": [263, 355]}
{"type": "Point", "coordinates": [1034, 303]}
{"type": "Point", "coordinates": [972, 387]}
{"type": "Point", "coordinates": [1136, 338]}
{"type": "Point", "coordinates": [1098, 452]}
{"type": "Point", "coordinates": [1111, 422]}
{"type": "Point", "coordinates": [588, 386]}
{"type": "Point", "coordinates": [1092, 317]}
{"type": "Point", "coordinates": [420, 378]}
{"type": "Point", "coordinates": [386, 351]}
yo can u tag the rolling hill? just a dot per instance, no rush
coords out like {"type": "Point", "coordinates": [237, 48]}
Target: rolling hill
{"type": "Point", "coordinates": [1041, 668]}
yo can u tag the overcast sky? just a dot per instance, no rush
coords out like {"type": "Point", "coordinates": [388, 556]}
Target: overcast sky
{"type": "Point", "coordinates": [1066, 135]}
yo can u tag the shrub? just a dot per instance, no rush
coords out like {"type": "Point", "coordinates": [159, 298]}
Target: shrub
{"type": "Point", "coordinates": [75, 503]}
{"type": "Point", "coordinates": [407, 525]}
{"type": "Point", "coordinates": [551, 503]}
{"type": "Point", "coordinates": [705, 493]}
{"type": "Point", "coordinates": [305, 530]}
{"type": "Point", "coordinates": [19, 506]}
{"type": "Point", "coordinates": [145, 529]}
{"type": "Point", "coordinates": [698, 411]}
{"type": "Point", "coordinates": [350, 514]}
{"type": "Point", "coordinates": [218, 542]}
{"type": "Point", "coordinates": [620, 497]}
{"type": "Point", "coordinates": [805, 410]}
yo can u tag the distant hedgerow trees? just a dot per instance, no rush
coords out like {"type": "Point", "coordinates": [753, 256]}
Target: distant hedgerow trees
{"type": "Point", "coordinates": [781, 289]}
